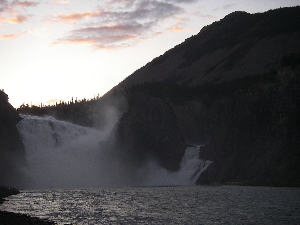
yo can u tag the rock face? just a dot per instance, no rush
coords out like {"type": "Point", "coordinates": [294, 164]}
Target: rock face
{"type": "Point", "coordinates": [11, 147]}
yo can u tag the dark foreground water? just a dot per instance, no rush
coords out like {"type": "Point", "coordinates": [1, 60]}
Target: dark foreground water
{"type": "Point", "coordinates": [162, 205]}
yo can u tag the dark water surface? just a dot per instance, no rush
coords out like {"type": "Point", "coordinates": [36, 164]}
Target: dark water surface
{"type": "Point", "coordinates": [162, 205]}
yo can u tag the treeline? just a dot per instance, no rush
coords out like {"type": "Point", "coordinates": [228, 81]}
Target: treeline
{"type": "Point", "coordinates": [58, 104]}
{"type": "Point", "coordinates": [75, 111]}
{"type": "Point", "coordinates": [88, 113]}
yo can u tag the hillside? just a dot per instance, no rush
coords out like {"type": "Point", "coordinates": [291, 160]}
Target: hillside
{"type": "Point", "coordinates": [239, 45]}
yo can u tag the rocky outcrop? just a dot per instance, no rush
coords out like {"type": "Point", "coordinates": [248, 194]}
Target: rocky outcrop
{"type": "Point", "coordinates": [11, 147]}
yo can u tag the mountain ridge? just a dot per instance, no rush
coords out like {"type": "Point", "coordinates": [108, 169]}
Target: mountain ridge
{"type": "Point", "coordinates": [226, 40]}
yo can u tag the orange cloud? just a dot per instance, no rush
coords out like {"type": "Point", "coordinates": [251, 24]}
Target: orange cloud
{"type": "Point", "coordinates": [66, 18]}
{"type": "Point", "coordinates": [59, 2]}
{"type": "Point", "coordinates": [9, 36]}
{"type": "Point", "coordinates": [107, 42]}
{"type": "Point", "coordinates": [179, 26]}
{"type": "Point", "coordinates": [14, 35]}
{"type": "Point", "coordinates": [176, 28]}
{"type": "Point", "coordinates": [18, 19]}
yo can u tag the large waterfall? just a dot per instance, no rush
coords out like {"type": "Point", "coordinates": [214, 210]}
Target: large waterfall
{"type": "Point", "coordinates": [63, 155]}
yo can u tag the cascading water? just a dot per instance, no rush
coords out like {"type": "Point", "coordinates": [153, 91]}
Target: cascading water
{"type": "Point", "coordinates": [64, 155]}
{"type": "Point", "coordinates": [60, 154]}
{"type": "Point", "coordinates": [191, 168]}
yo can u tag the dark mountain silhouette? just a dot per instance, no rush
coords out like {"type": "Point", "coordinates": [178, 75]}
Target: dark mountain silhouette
{"type": "Point", "coordinates": [239, 45]}
{"type": "Point", "coordinates": [233, 87]}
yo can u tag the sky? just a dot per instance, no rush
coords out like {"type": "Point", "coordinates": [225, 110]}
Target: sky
{"type": "Point", "coordinates": [55, 50]}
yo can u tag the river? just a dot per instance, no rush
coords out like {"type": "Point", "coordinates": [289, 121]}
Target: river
{"type": "Point", "coordinates": [161, 205]}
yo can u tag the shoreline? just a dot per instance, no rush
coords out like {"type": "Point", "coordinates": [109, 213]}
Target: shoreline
{"type": "Point", "coordinates": [9, 218]}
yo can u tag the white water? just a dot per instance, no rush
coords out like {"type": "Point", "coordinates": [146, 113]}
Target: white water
{"type": "Point", "coordinates": [191, 168]}
{"type": "Point", "coordinates": [60, 154]}
{"type": "Point", "coordinates": [64, 155]}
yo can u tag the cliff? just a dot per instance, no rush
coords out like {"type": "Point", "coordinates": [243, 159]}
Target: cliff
{"type": "Point", "coordinates": [11, 147]}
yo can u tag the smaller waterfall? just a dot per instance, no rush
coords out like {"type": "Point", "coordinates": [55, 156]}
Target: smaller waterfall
{"type": "Point", "coordinates": [191, 168]}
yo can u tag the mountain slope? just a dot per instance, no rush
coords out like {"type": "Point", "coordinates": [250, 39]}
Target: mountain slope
{"type": "Point", "coordinates": [239, 45]}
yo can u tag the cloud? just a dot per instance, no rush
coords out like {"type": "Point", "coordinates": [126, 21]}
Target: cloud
{"type": "Point", "coordinates": [108, 36]}
{"type": "Point", "coordinates": [183, 1]}
{"type": "Point", "coordinates": [13, 35]}
{"type": "Point", "coordinates": [9, 36]}
{"type": "Point", "coordinates": [179, 26]}
{"type": "Point", "coordinates": [59, 2]}
{"type": "Point", "coordinates": [72, 17]}
{"type": "Point", "coordinates": [8, 12]}
{"type": "Point", "coordinates": [6, 6]}
{"type": "Point", "coordinates": [16, 19]}
{"type": "Point", "coordinates": [122, 22]}
{"type": "Point", "coordinates": [228, 6]}
{"type": "Point", "coordinates": [126, 3]}
{"type": "Point", "coordinates": [3, 5]}
{"type": "Point", "coordinates": [24, 3]}
{"type": "Point", "coordinates": [176, 28]}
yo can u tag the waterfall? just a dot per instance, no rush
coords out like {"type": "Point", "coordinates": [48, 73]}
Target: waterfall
{"type": "Point", "coordinates": [64, 155]}
{"type": "Point", "coordinates": [191, 165]}
{"type": "Point", "coordinates": [60, 154]}
{"type": "Point", "coordinates": [191, 168]}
